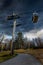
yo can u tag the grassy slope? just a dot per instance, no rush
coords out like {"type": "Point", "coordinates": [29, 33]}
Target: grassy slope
{"type": "Point", "coordinates": [5, 55]}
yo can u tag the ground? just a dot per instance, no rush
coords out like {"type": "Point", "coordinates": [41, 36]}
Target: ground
{"type": "Point", "coordinates": [37, 53]}
{"type": "Point", "coordinates": [22, 59]}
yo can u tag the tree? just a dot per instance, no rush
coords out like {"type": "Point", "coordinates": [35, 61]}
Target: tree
{"type": "Point", "coordinates": [20, 40]}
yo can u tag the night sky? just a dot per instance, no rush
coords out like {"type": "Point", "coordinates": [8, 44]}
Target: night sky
{"type": "Point", "coordinates": [20, 6]}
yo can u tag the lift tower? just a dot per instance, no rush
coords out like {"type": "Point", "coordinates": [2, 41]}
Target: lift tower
{"type": "Point", "coordinates": [13, 17]}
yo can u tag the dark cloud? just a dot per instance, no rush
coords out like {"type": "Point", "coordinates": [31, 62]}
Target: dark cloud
{"type": "Point", "coordinates": [7, 3]}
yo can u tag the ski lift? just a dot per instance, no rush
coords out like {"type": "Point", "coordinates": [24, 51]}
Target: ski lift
{"type": "Point", "coordinates": [35, 17]}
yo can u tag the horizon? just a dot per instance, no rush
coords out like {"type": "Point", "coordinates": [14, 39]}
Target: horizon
{"type": "Point", "coordinates": [27, 35]}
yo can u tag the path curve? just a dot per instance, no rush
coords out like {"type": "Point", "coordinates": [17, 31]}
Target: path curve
{"type": "Point", "coordinates": [22, 59]}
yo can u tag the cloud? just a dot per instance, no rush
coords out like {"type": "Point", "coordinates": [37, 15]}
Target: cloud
{"type": "Point", "coordinates": [34, 34]}
{"type": "Point", "coordinates": [30, 36]}
{"type": "Point", "coordinates": [40, 33]}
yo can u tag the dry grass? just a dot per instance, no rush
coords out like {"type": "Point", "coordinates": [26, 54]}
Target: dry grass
{"type": "Point", "coordinates": [20, 51]}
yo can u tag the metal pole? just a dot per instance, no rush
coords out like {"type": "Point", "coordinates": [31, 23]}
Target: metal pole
{"type": "Point", "coordinates": [13, 37]}
{"type": "Point", "coordinates": [14, 28]}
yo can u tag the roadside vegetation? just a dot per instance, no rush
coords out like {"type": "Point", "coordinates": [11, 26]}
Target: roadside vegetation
{"type": "Point", "coordinates": [5, 55]}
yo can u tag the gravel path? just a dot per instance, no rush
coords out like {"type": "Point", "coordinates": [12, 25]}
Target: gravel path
{"type": "Point", "coordinates": [22, 59]}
